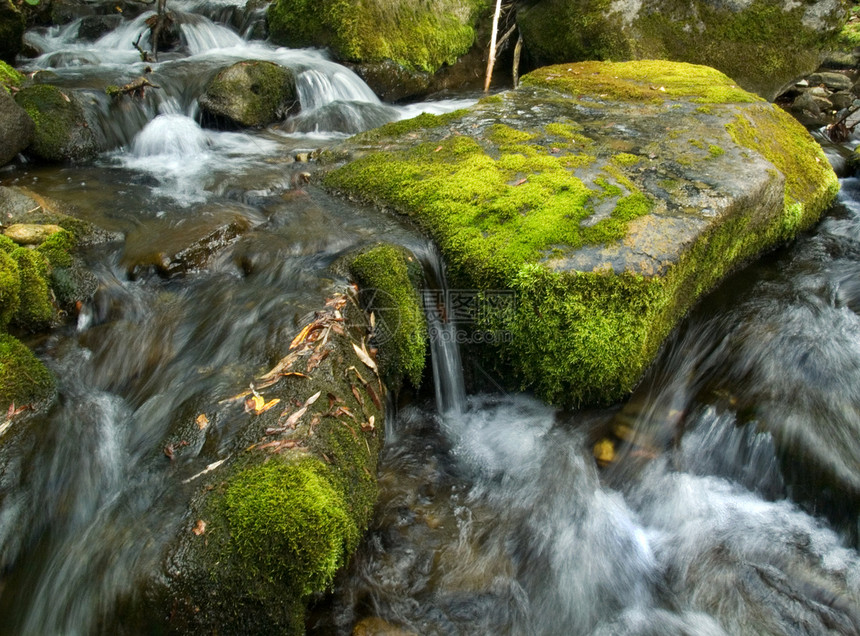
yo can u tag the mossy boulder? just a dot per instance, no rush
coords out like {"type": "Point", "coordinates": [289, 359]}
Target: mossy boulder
{"type": "Point", "coordinates": [417, 35]}
{"type": "Point", "coordinates": [607, 197]}
{"type": "Point", "coordinates": [35, 311]}
{"type": "Point", "coordinates": [10, 77]}
{"type": "Point", "coordinates": [270, 527]}
{"type": "Point", "coordinates": [763, 44]}
{"type": "Point", "coordinates": [250, 93]}
{"type": "Point", "coordinates": [10, 288]}
{"type": "Point", "coordinates": [23, 377]}
{"type": "Point", "coordinates": [388, 278]}
{"type": "Point", "coordinates": [61, 130]}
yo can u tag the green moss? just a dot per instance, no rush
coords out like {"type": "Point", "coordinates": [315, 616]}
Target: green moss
{"type": "Point", "coordinates": [416, 35]}
{"type": "Point", "coordinates": [405, 126]}
{"type": "Point", "coordinates": [787, 145]}
{"type": "Point", "coordinates": [10, 288]}
{"type": "Point", "coordinates": [9, 76]}
{"type": "Point", "coordinates": [57, 247]}
{"type": "Point", "coordinates": [289, 523]}
{"type": "Point", "coordinates": [250, 93]}
{"type": "Point", "coordinates": [625, 159]}
{"type": "Point", "coordinates": [23, 378]}
{"type": "Point", "coordinates": [849, 36]}
{"type": "Point", "coordinates": [715, 151]}
{"type": "Point", "coordinates": [642, 81]}
{"type": "Point", "coordinates": [35, 311]}
{"type": "Point", "coordinates": [490, 215]}
{"type": "Point", "coordinates": [382, 274]}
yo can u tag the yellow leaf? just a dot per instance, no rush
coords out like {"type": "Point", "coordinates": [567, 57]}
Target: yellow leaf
{"type": "Point", "coordinates": [364, 356]}
{"type": "Point", "coordinates": [202, 421]}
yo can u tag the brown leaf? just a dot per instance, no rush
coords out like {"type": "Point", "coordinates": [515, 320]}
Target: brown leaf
{"type": "Point", "coordinates": [199, 527]}
{"type": "Point", "coordinates": [373, 396]}
{"type": "Point", "coordinates": [202, 421]}
{"type": "Point", "coordinates": [168, 451]}
{"type": "Point", "coordinates": [369, 425]}
{"type": "Point", "coordinates": [365, 357]}
{"type": "Point", "coordinates": [357, 395]}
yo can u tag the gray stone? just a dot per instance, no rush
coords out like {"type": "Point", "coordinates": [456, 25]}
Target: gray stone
{"type": "Point", "coordinates": [16, 128]}
{"type": "Point", "coordinates": [842, 99]}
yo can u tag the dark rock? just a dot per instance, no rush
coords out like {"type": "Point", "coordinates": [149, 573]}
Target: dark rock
{"type": "Point", "coordinates": [250, 93]}
{"type": "Point", "coordinates": [16, 128]}
{"type": "Point", "coordinates": [65, 11]}
{"type": "Point", "coordinates": [95, 26]}
{"type": "Point", "coordinates": [842, 99]}
{"type": "Point", "coordinates": [12, 26]}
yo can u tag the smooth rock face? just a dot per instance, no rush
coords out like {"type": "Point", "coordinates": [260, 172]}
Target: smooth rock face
{"type": "Point", "coordinates": [16, 128]}
{"type": "Point", "coordinates": [606, 197]}
{"type": "Point", "coordinates": [250, 93]}
{"type": "Point", "coordinates": [762, 44]}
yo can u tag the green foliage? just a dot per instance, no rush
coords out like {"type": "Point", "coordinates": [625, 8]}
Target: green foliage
{"type": "Point", "coordinates": [382, 274]}
{"type": "Point", "coordinates": [23, 378]}
{"type": "Point", "coordinates": [289, 523]}
{"type": "Point", "coordinates": [35, 311]}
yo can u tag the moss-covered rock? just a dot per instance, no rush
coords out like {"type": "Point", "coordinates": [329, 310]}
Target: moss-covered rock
{"type": "Point", "coordinates": [272, 526]}
{"type": "Point", "coordinates": [763, 44]}
{"type": "Point", "coordinates": [595, 194]}
{"type": "Point", "coordinates": [23, 378]}
{"type": "Point", "coordinates": [250, 93]}
{"type": "Point", "coordinates": [12, 26]}
{"type": "Point", "coordinates": [417, 35]}
{"type": "Point", "coordinates": [389, 292]}
{"type": "Point", "coordinates": [62, 132]}
{"type": "Point", "coordinates": [35, 311]}
{"type": "Point", "coordinates": [10, 288]}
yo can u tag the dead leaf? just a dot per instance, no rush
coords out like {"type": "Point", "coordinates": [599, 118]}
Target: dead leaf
{"type": "Point", "coordinates": [199, 527]}
{"type": "Point", "coordinates": [357, 395]}
{"type": "Point", "coordinates": [301, 337]}
{"type": "Point", "coordinates": [202, 421]}
{"type": "Point", "coordinates": [521, 181]}
{"type": "Point", "coordinates": [369, 425]}
{"type": "Point", "coordinates": [373, 396]}
{"type": "Point", "coordinates": [209, 468]}
{"type": "Point", "coordinates": [365, 357]}
{"type": "Point", "coordinates": [257, 404]}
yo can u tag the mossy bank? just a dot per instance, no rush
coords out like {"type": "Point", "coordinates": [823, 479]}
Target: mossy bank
{"type": "Point", "coordinates": [608, 197]}
{"type": "Point", "coordinates": [763, 44]}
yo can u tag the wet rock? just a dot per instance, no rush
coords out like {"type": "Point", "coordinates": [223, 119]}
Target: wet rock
{"type": "Point", "coordinates": [833, 81]}
{"type": "Point", "coordinates": [375, 626]}
{"type": "Point", "coordinates": [95, 26]}
{"type": "Point", "coordinates": [725, 35]}
{"type": "Point", "coordinates": [31, 233]}
{"type": "Point", "coordinates": [593, 205]}
{"type": "Point", "coordinates": [181, 250]}
{"type": "Point", "coordinates": [250, 93]}
{"type": "Point", "coordinates": [61, 130]}
{"type": "Point", "coordinates": [16, 128]}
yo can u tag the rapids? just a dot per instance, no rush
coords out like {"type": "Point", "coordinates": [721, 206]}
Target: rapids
{"type": "Point", "coordinates": [734, 510]}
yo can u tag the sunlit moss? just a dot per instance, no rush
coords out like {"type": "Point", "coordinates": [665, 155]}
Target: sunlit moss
{"type": "Point", "coordinates": [23, 378]}
{"type": "Point", "coordinates": [35, 311]}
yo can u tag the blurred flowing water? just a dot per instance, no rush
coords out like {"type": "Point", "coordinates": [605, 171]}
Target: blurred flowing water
{"type": "Point", "coordinates": [732, 503]}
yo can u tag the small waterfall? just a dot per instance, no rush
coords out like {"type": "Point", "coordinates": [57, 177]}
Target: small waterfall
{"type": "Point", "coordinates": [444, 337]}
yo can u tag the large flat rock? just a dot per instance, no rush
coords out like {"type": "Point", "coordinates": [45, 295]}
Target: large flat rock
{"type": "Point", "coordinates": [608, 197]}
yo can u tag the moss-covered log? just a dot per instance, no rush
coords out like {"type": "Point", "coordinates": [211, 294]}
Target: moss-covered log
{"type": "Point", "coordinates": [608, 197]}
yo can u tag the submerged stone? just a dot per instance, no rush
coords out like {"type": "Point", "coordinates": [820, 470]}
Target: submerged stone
{"type": "Point", "coordinates": [763, 44]}
{"type": "Point", "coordinates": [606, 197]}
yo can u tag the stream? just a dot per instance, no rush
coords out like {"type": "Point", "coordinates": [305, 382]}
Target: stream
{"type": "Point", "coordinates": [734, 507]}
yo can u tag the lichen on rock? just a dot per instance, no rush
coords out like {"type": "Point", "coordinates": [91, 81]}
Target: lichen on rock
{"type": "Point", "coordinates": [560, 191]}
